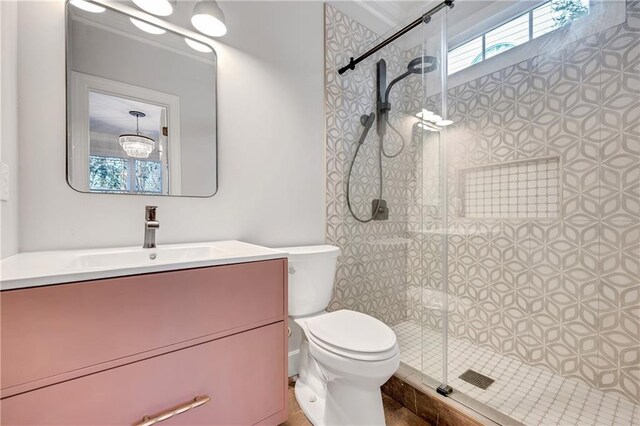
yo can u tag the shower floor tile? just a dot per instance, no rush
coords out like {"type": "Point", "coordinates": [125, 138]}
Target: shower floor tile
{"type": "Point", "coordinates": [531, 395]}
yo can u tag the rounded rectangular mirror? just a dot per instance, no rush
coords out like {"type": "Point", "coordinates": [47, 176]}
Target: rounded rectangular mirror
{"type": "Point", "coordinates": [141, 106]}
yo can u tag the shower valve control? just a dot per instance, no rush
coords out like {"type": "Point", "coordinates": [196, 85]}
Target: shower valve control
{"type": "Point", "coordinates": [379, 210]}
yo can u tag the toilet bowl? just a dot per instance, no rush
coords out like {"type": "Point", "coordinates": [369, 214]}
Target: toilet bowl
{"type": "Point", "coordinates": [344, 356]}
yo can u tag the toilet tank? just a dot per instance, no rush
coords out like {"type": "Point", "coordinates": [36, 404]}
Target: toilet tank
{"type": "Point", "coordinates": [312, 271]}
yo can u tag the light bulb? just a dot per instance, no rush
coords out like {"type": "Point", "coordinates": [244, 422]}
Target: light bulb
{"type": "Point", "coordinates": [424, 114]}
{"type": "Point", "coordinates": [155, 7]}
{"type": "Point", "coordinates": [200, 47]}
{"type": "Point", "coordinates": [87, 7]}
{"type": "Point", "coordinates": [148, 28]}
{"type": "Point", "coordinates": [427, 127]}
{"type": "Point", "coordinates": [208, 18]}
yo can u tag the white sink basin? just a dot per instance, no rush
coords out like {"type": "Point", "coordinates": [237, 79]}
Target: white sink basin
{"type": "Point", "coordinates": [139, 257]}
{"type": "Point", "coordinates": [54, 267]}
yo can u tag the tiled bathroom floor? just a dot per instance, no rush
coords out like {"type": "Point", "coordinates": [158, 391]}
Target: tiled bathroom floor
{"type": "Point", "coordinates": [528, 394]}
{"type": "Point", "coordinates": [395, 414]}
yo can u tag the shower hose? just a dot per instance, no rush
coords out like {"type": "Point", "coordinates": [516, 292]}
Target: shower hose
{"type": "Point", "coordinates": [367, 122]}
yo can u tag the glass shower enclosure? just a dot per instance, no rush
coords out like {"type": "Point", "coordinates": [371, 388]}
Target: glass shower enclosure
{"type": "Point", "coordinates": [508, 263]}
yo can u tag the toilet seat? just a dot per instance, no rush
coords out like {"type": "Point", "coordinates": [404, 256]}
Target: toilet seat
{"type": "Point", "coordinates": [352, 335]}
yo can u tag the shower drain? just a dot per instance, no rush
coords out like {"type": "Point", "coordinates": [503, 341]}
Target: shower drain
{"type": "Point", "coordinates": [476, 379]}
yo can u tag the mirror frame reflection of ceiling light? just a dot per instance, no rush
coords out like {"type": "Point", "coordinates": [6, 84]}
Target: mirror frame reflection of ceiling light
{"type": "Point", "coordinates": [424, 114]}
{"type": "Point", "coordinates": [428, 126]}
{"type": "Point", "coordinates": [208, 18]}
{"type": "Point", "coordinates": [146, 27]}
{"type": "Point", "coordinates": [155, 7]}
{"type": "Point", "coordinates": [430, 117]}
{"type": "Point", "coordinates": [197, 46]}
{"type": "Point", "coordinates": [87, 7]}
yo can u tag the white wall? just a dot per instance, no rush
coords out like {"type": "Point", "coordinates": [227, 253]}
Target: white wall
{"type": "Point", "coordinates": [9, 125]}
{"type": "Point", "coordinates": [271, 142]}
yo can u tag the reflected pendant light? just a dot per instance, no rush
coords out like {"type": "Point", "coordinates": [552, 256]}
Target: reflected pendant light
{"type": "Point", "coordinates": [137, 146]}
{"type": "Point", "coordinates": [208, 18]}
{"type": "Point", "coordinates": [155, 7]}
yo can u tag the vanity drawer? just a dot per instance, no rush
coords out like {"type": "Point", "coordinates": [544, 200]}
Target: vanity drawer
{"type": "Point", "coordinates": [86, 327]}
{"type": "Point", "coordinates": [244, 375]}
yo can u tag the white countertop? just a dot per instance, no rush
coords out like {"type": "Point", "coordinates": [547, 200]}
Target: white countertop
{"type": "Point", "coordinates": [34, 269]}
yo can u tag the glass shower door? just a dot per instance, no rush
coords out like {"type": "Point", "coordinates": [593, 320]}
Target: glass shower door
{"type": "Point", "coordinates": [430, 130]}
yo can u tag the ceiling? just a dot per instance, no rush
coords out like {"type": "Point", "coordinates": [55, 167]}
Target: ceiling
{"type": "Point", "coordinates": [382, 16]}
{"type": "Point", "coordinates": [116, 21]}
{"type": "Point", "coordinates": [110, 114]}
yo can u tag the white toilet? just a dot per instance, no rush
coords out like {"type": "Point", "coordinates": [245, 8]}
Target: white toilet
{"type": "Point", "coordinates": [345, 356]}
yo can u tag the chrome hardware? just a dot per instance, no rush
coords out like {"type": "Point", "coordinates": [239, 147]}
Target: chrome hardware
{"type": "Point", "coordinates": [197, 401]}
{"type": "Point", "coordinates": [150, 225]}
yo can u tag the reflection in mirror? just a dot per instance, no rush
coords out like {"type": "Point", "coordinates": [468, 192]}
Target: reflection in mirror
{"type": "Point", "coordinates": [111, 123]}
{"type": "Point", "coordinates": [141, 107]}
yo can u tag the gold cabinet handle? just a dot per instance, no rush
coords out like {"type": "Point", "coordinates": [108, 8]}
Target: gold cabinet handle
{"type": "Point", "coordinates": [197, 401]}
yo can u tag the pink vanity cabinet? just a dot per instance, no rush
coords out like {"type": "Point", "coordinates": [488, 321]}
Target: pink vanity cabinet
{"type": "Point", "coordinates": [203, 346]}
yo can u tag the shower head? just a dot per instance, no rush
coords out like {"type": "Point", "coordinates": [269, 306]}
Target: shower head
{"type": "Point", "coordinates": [422, 65]}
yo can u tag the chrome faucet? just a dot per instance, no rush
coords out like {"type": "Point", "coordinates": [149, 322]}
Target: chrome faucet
{"type": "Point", "coordinates": [150, 226]}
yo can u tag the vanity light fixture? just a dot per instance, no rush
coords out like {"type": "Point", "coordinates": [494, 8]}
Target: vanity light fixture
{"type": "Point", "coordinates": [87, 7]}
{"type": "Point", "coordinates": [196, 45]}
{"type": "Point", "coordinates": [155, 7]}
{"type": "Point", "coordinates": [208, 18]}
{"type": "Point", "coordinates": [147, 28]}
{"type": "Point", "coordinates": [137, 146]}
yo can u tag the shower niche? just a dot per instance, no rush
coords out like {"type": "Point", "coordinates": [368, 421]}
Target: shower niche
{"type": "Point", "coordinates": [525, 189]}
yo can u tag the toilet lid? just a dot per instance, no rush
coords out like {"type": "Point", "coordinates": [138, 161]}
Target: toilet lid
{"type": "Point", "coordinates": [352, 331]}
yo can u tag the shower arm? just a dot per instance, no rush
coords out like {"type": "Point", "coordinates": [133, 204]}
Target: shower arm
{"type": "Point", "coordinates": [423, 19]}
{"type": "Point", "coordinates": [387, 107]}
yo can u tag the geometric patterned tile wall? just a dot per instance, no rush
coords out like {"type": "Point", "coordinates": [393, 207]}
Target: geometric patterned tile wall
{"type": "Point", "coordinates": [561, 293]}
{"type": "Point", "coordinates": [371, 273]}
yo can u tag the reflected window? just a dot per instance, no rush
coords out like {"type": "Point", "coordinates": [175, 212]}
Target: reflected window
{"type": "Point", "coordinates": [108, 174]}
{"type": "Point", "coordinates": [112, 174]}
{"type": "Point", "coordinates": [148, 176]}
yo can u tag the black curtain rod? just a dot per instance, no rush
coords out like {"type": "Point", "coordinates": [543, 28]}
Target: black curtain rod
{"type": "Point", "coordinates": [423, 19]}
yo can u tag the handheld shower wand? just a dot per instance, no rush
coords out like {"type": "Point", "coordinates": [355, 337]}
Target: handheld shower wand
{"type": "Point", "coordinates": [367, 122]}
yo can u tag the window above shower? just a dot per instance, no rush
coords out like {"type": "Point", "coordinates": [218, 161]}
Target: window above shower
{"type": "Point", "coordinates": [538, 21]}
{"type": "Point", "coordinates": [510, 32]}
